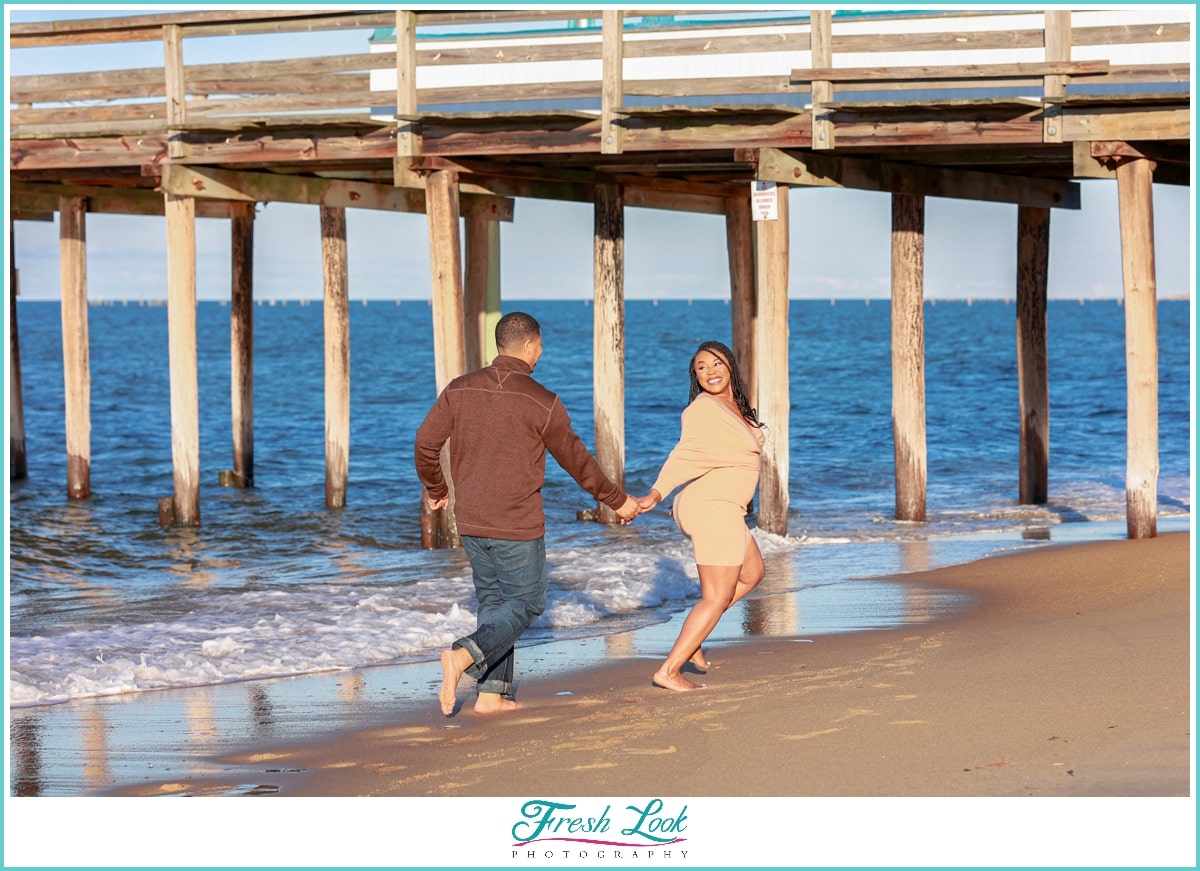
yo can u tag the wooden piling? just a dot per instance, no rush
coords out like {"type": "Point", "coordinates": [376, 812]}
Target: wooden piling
{"type": "Point", "coordinates": [337, 355]}
{"type": "Point", "coordinates": [77, 377]}
{"type": "Point", "coordinates": [1135, 202]}
{"type": "Point", "coordinates": [482, 290]}
{"type": "Point", "coordinates": [241, 342]}
{"type": "Point", "coordinates": [18, 468]}
{"type": "Point", "coordinates": [908, 354]}
{"type": "Point", "coordinates": [608, 337]}
{"type": "Point", "coordinates": [612, 87]}
{"type": "Point", "coordinates": [1033, 258]}
{"type": "Point", "coordinates": [739, 241]}
{"type": "Point", "coordinates": [774, 403]}
{"type": "Point", "coordinates": [181, 335]}
{"type": "Point", "coordinates": [449, 341]}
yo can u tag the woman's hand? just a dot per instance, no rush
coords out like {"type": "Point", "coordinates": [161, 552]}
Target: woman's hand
{"type": "Point", "coordinates": [649, 500]}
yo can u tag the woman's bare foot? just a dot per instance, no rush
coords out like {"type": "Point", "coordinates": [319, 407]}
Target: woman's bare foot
{"type": "Point", "coordinates": [676, 682]}
{"type": "Point", "coordinates": [699, 660]}
{"type": "Point", "coordinates": [494, 703]}
{"type": "Point", "coordinates": [451, 673]}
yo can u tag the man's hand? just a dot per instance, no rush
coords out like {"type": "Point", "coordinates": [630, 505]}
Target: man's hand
{"type": "Point", "coordinates": [435, 504]}
{"type": "Point", "coordinates": [629, 510]}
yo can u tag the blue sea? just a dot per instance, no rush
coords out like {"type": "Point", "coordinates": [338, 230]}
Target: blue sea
{"type": "Point", "coordinates": [103, 601]}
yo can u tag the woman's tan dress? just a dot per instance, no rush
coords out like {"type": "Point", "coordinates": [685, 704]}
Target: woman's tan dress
{"type": "Point", "coordinates": [719, 453]}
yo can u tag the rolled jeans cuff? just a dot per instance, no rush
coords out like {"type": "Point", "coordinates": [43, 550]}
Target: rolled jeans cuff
{"type": "Point", "coordinates": [479, 667]}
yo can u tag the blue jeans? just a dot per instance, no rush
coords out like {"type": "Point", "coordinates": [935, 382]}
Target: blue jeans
{"type": "Point", "coordinates": [510, 586]}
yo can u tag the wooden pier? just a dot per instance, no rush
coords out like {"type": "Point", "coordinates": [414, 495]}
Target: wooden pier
{"type": "Point", "coordinates": [457, 114]}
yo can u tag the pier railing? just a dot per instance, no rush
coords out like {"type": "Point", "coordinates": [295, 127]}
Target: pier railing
{"type": "Point", "coordinates": [591, 61]}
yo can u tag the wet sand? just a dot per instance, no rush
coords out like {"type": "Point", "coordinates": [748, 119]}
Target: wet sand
{"type": "Point", "coordinates": [1069, 677]}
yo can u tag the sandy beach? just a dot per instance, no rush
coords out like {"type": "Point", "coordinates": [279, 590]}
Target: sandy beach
{"type": "Point", "coordinates": [1069, 677]}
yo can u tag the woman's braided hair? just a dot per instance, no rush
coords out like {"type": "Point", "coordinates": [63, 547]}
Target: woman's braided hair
{"type": "Point", "coordinates": [735, 378]}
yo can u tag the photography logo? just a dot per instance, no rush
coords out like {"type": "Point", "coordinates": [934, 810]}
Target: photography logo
{"type": "Point", "coordinates": [641, 830]}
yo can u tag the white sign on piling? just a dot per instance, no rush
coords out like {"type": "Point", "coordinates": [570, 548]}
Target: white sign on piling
{"type": "Point", "coordinates": [763, 202]}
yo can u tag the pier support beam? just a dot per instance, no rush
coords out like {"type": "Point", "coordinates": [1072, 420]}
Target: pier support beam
{"type": "Point", "coordinates": [1135, 198]}
{"type": "Point", "coordinates": [241, 342]}
{"type": "Point", "coordinates": [482, 282]}
{"type": "Point", "coordinates": [337, 355]}
{"type": "Point", "coordinates": [77, 377]}
{"type": "Point", "coordinates": [908, 354]}
{"type": "Point", "coordinates": [181, 333]}
{"type": "Point", "coordinates": [739, 240]}
{"type": "Point", "coordinates": [449, 340]}
{"type": "Point", "coordinates": [1033, 258]}
{"type": "Point", "coordinates": [771, 366]}
{"type": "Point", "coordinates": [608, 337]}
{"type": "Point", "coordinates": [17, 466]}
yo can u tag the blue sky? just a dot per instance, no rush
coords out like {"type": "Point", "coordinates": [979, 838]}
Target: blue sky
{"type": "Point", "coordinates": [840, 246]}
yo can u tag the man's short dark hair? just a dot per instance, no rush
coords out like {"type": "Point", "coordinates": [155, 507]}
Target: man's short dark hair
{"type": "Point", "coordinates": [515, 329]}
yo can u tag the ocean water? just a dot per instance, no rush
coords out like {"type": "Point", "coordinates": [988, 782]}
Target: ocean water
{"type": "Point", "coordinates": [102, 601]}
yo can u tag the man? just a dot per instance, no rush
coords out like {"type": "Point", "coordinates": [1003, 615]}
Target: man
{"type": "Point", "coordinates": [500, 423]}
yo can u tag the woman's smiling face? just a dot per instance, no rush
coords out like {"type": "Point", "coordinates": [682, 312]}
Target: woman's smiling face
{"type": "Point", "coordinates": [712, 373]}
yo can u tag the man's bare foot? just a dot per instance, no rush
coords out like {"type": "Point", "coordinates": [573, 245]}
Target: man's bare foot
{"type": "Point", "coordinates": [451, 673]}
{"type": "Point", "coordinates": [699, 660]}
{"type": "Point", "coordinates": [676, 682]}
{"type": "Point", "coordinates": [494, 703]}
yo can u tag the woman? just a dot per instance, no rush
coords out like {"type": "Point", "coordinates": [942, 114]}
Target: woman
{"type": "Point", "coordinates": [718, 453]}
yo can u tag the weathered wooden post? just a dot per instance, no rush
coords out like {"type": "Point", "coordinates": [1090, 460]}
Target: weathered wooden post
{"type": "Point", "coordinates": [771, 366]}
{"type": "Point", "coordinates": [184, 508]}
{"type": "Point", "coordinates": [822, 89]}
{"type": "Point", "coordinates": [739, 241]}
{"type": "Point", "coordinates": [482, 289]}
{"type": "Point", "coordinates": [241, 342]}
{"type": "Point", "coordinates": [608, 337]}
{"type": "Point", "coordinates": [337, 355]}
{"type": "Point", "coordinates": [77, 375]}
{"type": "Point", "coordinates": [612, 85]}
{"type": "Point", "coordinates": [1033, 258]}
{"type": "Point", "coordinates": [17, 466]}
{"type": "Point", "coordinates": [908, 354]}
{"type": "Point", "coordinates": [1135, 199]}
{"type": "Point", "coordinates": [449, 342]}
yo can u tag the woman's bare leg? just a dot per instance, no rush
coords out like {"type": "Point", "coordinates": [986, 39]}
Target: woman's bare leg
{"type": "Point", "coordinates": [717, 585]}
{"type": "Point", "coordinates": [752, 571]}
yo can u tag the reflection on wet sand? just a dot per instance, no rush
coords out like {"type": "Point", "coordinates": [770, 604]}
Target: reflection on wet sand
{"type": "Point", "coordinates": [95, 749]}
{"type": "Point", "coordinates": [919, 602]}
{"type": "Point", "coordinates": [262, 711]}
{"type": "Point", "coordinates": [25, 740]}
{"type": "Point", "coordinates": [620, 646]}
{"type": "Point", "coordinates": [767, 614]}
{"type": "Point", "coordinates": [350, 687]}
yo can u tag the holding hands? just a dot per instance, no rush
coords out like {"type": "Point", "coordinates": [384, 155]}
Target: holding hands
{"type": "Point", "coordinates": [629, 510]}
{"type": "Point", "coordinates": [633, 507]}
{"type": "Point", "coordinates": [649, 500]}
